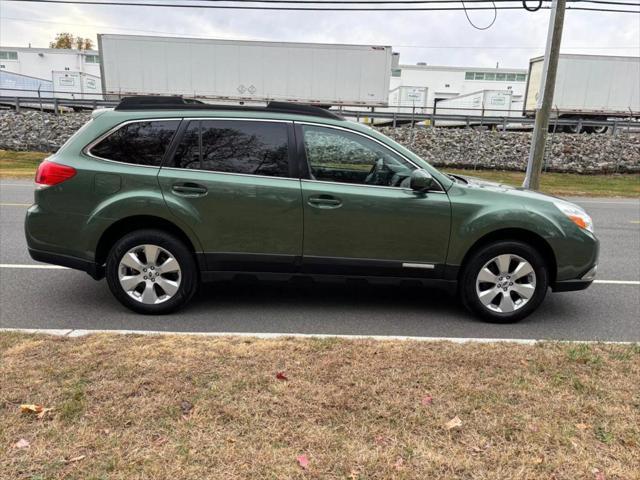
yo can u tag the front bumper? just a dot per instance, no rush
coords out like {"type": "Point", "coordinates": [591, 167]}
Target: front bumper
{"type": "Point", "coordinates": [577, 284]}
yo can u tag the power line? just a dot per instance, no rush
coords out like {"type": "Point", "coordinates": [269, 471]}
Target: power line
{"type": "Point", "coordinates": [326, 9]}
{"type": "Point", "coordinates": [256, 7]}
{"type": "Point", "coordinates": [433, 47]}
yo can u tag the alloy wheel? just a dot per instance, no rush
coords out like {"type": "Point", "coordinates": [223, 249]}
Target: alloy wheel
{"type": "Point", "coordinates": [506, 283]}
{"type": "Point", "coordinates": [149, 274]}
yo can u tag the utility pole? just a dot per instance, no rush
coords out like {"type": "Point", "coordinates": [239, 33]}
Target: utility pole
{"type": "Point", "coordinates": [545, 98]}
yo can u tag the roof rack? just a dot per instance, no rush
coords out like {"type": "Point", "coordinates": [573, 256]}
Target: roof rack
{"type": "Point", "coordinates": [155, 102]}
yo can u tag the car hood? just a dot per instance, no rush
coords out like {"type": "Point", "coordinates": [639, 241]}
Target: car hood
{"type": "Point", "coordinates": [475, 182]}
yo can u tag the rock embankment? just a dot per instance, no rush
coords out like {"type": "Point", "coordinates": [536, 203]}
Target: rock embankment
{"type": "Point", "coordinates": [467, 148]}
{"type": "Point", "coordinates": [463, 148]}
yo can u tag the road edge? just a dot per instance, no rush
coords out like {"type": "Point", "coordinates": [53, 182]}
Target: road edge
{"type": "Point", "coordinates": [76, 333]}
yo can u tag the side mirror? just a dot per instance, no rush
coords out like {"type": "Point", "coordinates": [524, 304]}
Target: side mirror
{"type": "Point", "coordinates": [421, 181]}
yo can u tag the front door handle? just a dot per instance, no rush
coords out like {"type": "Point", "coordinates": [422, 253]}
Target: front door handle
{"type": "Point", "coordinates": [324, 201]}
{"type": "Point", "coordinates": [189, 189]}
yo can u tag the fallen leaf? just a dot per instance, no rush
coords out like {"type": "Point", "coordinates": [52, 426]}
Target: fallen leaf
{"type": "Point", "coordinates": [281, 376]}
{"type": "Point", "coordinates": [303, 461]}
{"type": "Point", "coordinates": [31, 408]}
{"type": "Point", "coordinates": [76, 459]}
{"type": "Point", "coordinates": [160, 441]}
{"type": "Point", "coordinates": [455, 422]}
{"type": "Point", "coordinates": [22, 443]}
{"type": "Point", "coordinates": [427, 400]}
{"type": "Point", "coordinates": [186, 407]}
{"type": "Point", "coordinates": [39, 410]}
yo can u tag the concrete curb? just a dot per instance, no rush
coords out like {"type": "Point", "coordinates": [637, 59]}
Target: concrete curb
{"type": "Point", "coordinates": [76, 333]}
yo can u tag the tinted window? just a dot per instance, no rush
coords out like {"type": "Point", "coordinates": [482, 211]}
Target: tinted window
{"type": "Point", "coordinates": [188, 152]}
{"type": "Point", "coordinates": [141, 143]}
{"type": "Point", "coordinates": [339, 156]}
{"type": "Point", "coordinates": [235, 146]}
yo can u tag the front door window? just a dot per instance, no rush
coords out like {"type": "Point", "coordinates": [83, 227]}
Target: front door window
{"type": "Point", "coordinates": [339, 156]}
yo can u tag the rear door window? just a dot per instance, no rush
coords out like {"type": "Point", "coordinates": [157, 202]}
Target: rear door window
{"type": "Point", "coordinates": [235, 146]}
{"type": "Point", "coordinates": [139, 143]}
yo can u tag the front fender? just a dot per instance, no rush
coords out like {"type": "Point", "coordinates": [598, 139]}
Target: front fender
{"type": "Point", "coordinates": [470, 223]}
{"type": "Point", "coordinates": [479, 213]}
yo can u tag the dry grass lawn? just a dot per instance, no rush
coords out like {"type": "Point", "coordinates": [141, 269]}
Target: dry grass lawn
{"type": "Point", "coordinates": [133, 407]}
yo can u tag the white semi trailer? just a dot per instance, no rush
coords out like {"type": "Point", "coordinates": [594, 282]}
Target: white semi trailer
{"type": "Point", "coordinates": [241, 71]}
{"type": "Point", "coordinates": [590, 87]}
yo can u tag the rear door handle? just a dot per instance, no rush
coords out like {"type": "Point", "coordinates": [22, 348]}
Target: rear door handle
{"type": "Point", "coordinates": [189, 189]}
{"type": "Point", "coordinates": [324, 201]}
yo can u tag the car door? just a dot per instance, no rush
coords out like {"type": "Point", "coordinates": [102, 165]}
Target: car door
{"type": "Point", "coordinates": [232, 182]}
{"type": "Point", "coordinates": [360, 216]}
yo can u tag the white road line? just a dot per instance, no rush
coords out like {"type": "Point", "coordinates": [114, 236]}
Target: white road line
{"type": "Point", "coordinates": [33, 266]}
{"type": "Point", "coordinates": [618, 282]}
{"type": "Point", "coordinates": [595, 202]}
{"type": "Point", "coordinates": [73, 333]}
{"type": "Point", "coordinates": [36, 266]}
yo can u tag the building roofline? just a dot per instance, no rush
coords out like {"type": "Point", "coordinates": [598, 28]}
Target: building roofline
{"type": "Point", "coordinates": [462, 69]}
{"type": "Point", "coordinates": [5, 48]}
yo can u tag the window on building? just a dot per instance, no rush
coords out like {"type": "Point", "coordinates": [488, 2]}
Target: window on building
{"type": "Point", "coordinates": [140, 143]}
{"type": "Point", "coordinates": [489, 76]}
{"type": "Point", "coordinates": [521, 77]}
{"type": "Point", "coordinates": [396, 72]}
{"type": "Point", "coordinates": [92, 58]}
{"type": "Point", "coordinates": [511, 77]}
{"type": "Point", "coordinates": [469, 76]}
{"type": "Point", "coordinates": [5, 55]}
{"type": "Point", "coordinates": [479, 76]}
{"type": "Point", "coordinates": [501, 77]}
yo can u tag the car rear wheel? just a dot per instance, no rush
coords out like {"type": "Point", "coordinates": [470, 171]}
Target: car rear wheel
{"type": "Point", "coordinates": [151, 272]}
{"type": "Point", "coordinates": [504, 282]}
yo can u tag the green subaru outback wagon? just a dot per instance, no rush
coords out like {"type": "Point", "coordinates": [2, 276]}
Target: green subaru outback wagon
{"type": "Point", "coordinates": [158, 195]}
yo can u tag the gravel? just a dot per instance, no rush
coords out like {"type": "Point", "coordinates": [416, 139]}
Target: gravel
{"type": "Point", "coordinates": [462, 148]}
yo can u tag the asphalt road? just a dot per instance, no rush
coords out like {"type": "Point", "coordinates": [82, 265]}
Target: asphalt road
{"type": "Point", "coordinates": [54, 298]}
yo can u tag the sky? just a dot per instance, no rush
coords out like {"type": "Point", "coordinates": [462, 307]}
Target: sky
{"type": "Point", "coordinates": [437, 38]}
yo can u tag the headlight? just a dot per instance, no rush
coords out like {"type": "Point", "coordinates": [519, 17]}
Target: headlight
{"type": "Point", "coordinates": [576, 215]}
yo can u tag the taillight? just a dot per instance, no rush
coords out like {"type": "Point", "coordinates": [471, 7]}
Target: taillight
{"type": "Point", "coordinates": [50, 173]}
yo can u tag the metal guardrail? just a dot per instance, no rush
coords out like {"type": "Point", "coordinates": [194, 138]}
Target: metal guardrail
{"type": "Point", "coordinates": [395, 118]}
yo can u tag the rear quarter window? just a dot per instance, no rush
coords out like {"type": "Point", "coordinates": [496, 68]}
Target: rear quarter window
{"type": "Point", "coordinates": [138, 143]}
{"type": "Point", "coordinates": [235, 146]}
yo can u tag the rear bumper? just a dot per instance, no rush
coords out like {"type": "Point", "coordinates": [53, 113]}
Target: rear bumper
{"type": "Point", "coordinates": [96, 271]}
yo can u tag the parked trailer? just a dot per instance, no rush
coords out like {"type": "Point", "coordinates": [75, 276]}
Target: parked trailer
{"type": "Point", "coordinates": [478, 105]}
{"type": "Point", "coordinates": [589, 87]}
{"type": "Point", "coordinates": [230, 70]}
{"type": "Point", "coordinates": [79, 85]}
{"type": "Point", "coordinates": [404, 100]}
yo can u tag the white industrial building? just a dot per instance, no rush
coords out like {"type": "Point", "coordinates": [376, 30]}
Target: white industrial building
{"type": "Point", "coordinates": [67, 72]}
{"type": "Point", "coordinates": [422, 85]}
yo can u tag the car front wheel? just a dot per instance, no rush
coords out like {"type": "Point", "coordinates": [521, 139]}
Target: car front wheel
{"type": "Point", "coordinates": [151, 272]}
{"type": "Point", "coordinates": [504, 282]}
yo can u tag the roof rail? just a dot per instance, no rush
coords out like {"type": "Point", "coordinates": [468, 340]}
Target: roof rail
{"type": "Point", "coordinates": [156, 102]}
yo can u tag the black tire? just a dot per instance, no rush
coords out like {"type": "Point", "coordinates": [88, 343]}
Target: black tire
{"type": "Point", "coordinates": [189, 277]}
{"type": "Point", "coordinates": [479, 259]}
